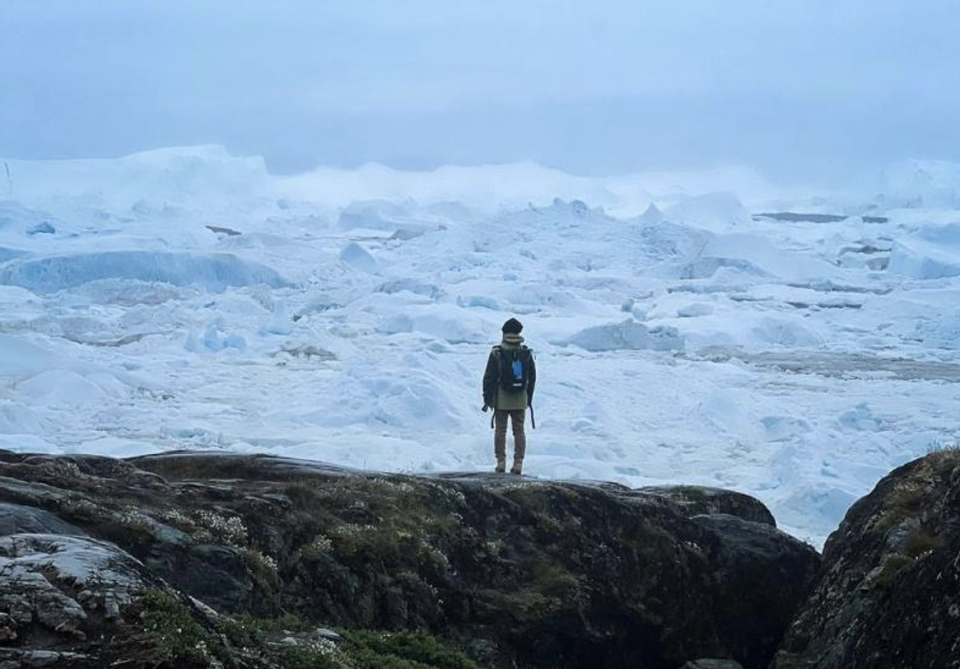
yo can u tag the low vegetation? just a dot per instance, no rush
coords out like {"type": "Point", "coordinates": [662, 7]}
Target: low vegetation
{"type": "Point", "coordinates": [179, 639]}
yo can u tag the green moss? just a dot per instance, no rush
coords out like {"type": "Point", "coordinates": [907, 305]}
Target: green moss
{"type": "Point", "coordinates": [892, 565]}
{"type": "Point", "coordinates": [403, 650]}
{"type": "Point", "coordinates": [263, 569]}
{"type": "Point", "coordinates": [359, 649]}
{"type": "Point", "coordinates": [905, 501]}
{"type": "Point", "coordinates": [79, 508]}
{"type": "Point", "coordinates": [243, 632]}
{"type": "Point", "coordinates": [378, 542]}
{"type": "Point", "coordinates": [921, 542]}
{"type": "Point", "coordinates": [253, 635]}
{"type": "Point", "coordinates": [553, 580]}
{"type": "Point", "coordinates": [547, 587]}
{"type": "Point", "coordinates": [525, 604]}
{"type": "Point", "coordinates": [911, 496]}
{"type": "Point", "coordinates": [250, 632]}
{"type": "Point", "coordinates": [311, 658]}
{"type": "Point", "coordinates": [375, 519]}
{"type": "Point", "coordinates": [314, 498]}
{"type": "Point", "coordinates": [650, 541]}
{"type": "Point", "coordinates": [176, 637]}
{"type": "Point", "coordinates": [944, 460]}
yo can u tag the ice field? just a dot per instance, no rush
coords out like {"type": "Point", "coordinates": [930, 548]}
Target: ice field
{"type": "Point", "coordinates": [708, 328]}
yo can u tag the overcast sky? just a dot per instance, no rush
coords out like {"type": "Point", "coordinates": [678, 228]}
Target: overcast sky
{"type": "Point", "coordinates": [796, 88]}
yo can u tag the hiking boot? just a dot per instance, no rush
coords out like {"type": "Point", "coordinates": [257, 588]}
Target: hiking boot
{"type": "Point", "coordinates": [517, 468]}
{"type": "Point", "coordinates": [501, 467]}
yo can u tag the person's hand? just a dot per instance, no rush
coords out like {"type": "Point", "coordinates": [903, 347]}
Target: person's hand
{"type": "Point", "coordinates": [484, 409]}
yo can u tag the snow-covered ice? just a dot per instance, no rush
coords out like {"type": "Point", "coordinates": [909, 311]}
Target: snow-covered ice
{"type": "Point", "coordinates": [685, 331]}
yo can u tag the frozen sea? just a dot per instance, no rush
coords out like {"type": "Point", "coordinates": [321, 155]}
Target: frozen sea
{"type": "Point", "coordinates": [790, 342]}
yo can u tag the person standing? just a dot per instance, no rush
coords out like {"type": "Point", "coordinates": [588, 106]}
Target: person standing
{"type": "Point", "coordinates": [508, 385]}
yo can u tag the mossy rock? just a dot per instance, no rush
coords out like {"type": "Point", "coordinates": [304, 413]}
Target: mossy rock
{"type": "Point", "coordinates": [888, 595]}
{"type": "Point", "coordinates": [519, 572]}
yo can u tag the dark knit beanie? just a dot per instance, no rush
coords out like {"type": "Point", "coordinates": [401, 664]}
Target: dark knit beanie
{"type": "Point", "coordinates": [513, 326]}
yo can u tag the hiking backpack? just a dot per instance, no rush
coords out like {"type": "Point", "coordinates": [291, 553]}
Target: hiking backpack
{"type": "Point", "coordinates": [515, 366]}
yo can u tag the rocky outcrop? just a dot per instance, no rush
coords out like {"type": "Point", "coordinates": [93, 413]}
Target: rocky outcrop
{"type": "Point", "coordinates": [515, 571]}
{"type": "Point", "coordinates": [58, 592]}
{"type": "Point", "coordinates": [889, 596]}
{"type": "Point", "coordinates": [703, 500]}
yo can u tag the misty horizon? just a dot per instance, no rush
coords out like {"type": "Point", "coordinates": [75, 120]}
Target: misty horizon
{"type": "Point", "coordinates": [799, 91]}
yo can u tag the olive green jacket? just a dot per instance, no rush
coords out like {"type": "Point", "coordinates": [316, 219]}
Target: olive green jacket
{"type": "Point", "coordinates": [495, 396]}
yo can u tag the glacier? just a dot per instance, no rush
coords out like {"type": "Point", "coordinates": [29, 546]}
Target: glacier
{"type": "Point", "coordinates": [187, 298]}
